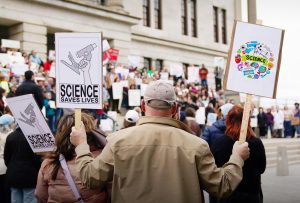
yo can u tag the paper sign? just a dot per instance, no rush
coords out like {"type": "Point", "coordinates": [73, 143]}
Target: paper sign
{"type": "Point", "coordinates": [32, 123]}
{"type": "Point", "coordinates": [164, 76]}
{"type": "Point", "coordinates": [254, 61]}
{"type": "Point", "coordinates": [112, 114]}
{"type": "Point", "coordinates": [4, 59]}
{"type": "Point", "coordinates": [19, 69]}
{"type": "Point", "coordinates": [193, 74]}
{"type": "Point", "coordinates": [211, 118]}
{"type": "Point", "coordinates": [52, 70]}
{"type": "Point", "coordinates": [34, 67]}
{"type": "Point", "coordinates": [52, 104]}
{"type": "Point", "coordinates": [134, 61]}
{"type": "Point", "coordinates": [253, 122]}
{"type": "Point", "coordinates": [200, 116]}
{"type": "Point", "coordinates": [10, 43]}
{"type": "Point", "coordinates": [113, 54]}
{"type": "Point", "coordinates": [134, 97]}
{"type": "Point", "coordinates": [138, 81]}
{"type": "Point", "coordinates": [143, 89]}
{"type": "Point", "coordinates": [105, 45]}
{"type": "Point", "coordinates": [51, 55]}
{"type": "Point", "coordinates": [122, 71]}
{"type": "Point", "coordinates": [219, 62]}
{"type": "Point", "coordinates": [106, 125]}
{"type": "Point", "coordinates": [117, 88]}
{"type": "Point", "coordinates": [176, 69]}
{"type": "Point", "coordinates": [78, 70]}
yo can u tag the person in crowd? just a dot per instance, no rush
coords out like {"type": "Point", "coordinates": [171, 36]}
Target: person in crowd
{"type": "Point", "coordinates": [6, 127]}
{"type": "Point", "coordinates": [29, 87]}
{"type": "Point", "coordinates": [190, 114]}
{"type": "Point", "coordinates": [47, 65]}
{"type": "Point", "coordinates": [278, 122]}
{"type": "Point", "coordinates": [297, 115]}
{"type": "Point", "coordinates": [209, 109]}
{"type": "Point", "coordinates": [2, 103]}
{"type": "Point", "coordinates": [203, 72]}
{"type": "Point", "coordinates": [249, 190]}
{"type": "Point", "coordinates": [130, 119]}
{"type": "Point", "coordinates": [270, 121]}
{"type": "Point", "coordinates": [4, 83]}
{"type": "Point", "coordinates": [12, 91]}
{"type": "Point", "coordinates": [262, 122]}
{"type": "Point", "coordinates": [50, 111]}
{"type": "Point", "coordinates": [52, 185]}
{"type": "Point", "coordinates": [111, 76]}
{"type": "Point", "coordinates": [34, 58]}
{"type": "Point", "coordinates": [159, 160]}
{"type": "Point", "coordinates": [287, 123]}
{"type": "Point", "coordinates": [212, 133]}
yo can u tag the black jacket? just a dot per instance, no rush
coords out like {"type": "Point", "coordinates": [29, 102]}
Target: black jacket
{"type": "Point", "coordinates": [22, 164]}
{"type": "Point", "coordinates": [249, 190]}
{"type": "Point", "coordinates": [29, 87]}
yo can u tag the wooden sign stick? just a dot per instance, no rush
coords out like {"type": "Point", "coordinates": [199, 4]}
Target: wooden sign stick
{"type": "Point", "coordinates": [77, 118]}
{"type": "Point", "coordinates": [246, 116]}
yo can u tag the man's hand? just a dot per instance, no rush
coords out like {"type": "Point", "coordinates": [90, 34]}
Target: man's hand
{"type": "Point", "coordinates": [241, 150]}
{"type": "Point", "coordinates": [78, 137]}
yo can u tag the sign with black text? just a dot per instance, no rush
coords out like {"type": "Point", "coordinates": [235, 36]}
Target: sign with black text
{"type": "Point", "coordinates": [78, 70]}
{"type": "Point", "coordinates": [32, 123]}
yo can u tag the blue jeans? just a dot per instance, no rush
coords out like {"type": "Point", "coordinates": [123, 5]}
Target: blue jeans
{"type": "Point", "coordinates": [23, 195]}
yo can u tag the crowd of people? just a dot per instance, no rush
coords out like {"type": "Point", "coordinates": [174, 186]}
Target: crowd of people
{"type": "Point", "coordinates": [154, 158]}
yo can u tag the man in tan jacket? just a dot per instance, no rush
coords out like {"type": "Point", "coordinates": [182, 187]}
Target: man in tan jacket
{"type": "Point", "coordinates": [159, 160]}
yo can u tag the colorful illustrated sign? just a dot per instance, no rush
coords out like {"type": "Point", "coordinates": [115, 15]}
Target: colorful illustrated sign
{"type": "Point", "coordinates": [254, 60]}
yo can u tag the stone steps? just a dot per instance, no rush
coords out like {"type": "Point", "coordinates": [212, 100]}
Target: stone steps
{"type": "Point", "coordinates": [293, 150]}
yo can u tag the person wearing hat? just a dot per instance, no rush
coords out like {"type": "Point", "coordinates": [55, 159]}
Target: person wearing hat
{"type": "Point", "coordinates": [159, 159]}
{"type": "Point", "coordinates": [130, 119]}
{"type": "Point", "coordinates": [212, 133]}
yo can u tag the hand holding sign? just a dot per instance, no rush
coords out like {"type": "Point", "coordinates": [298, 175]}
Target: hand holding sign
{"type": "Point", "coordinates": [78, 136]}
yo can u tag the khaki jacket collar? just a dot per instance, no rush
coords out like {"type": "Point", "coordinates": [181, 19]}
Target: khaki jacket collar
{"type": "Point", "coordinates": [164, 121]}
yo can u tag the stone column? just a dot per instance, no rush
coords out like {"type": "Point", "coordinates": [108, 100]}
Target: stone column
{"type": "Point", "coordinates": [252, 11]}
{"type": "Point", "coordinates": [31, 37]}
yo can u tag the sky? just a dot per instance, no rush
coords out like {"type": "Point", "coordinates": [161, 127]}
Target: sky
{"type": "Point", "coordinates": [284, 15]}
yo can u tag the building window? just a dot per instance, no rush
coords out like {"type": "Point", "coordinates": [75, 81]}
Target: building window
{"type": "Point", "coordinates": [147, 62]}
{"type": "Point", "coordinates": [146, 13]}
{"type": "Point", "coordinates": [194, 17]}
{"type": "Point", "coordinates": [157, 14]}
{"type": "Point", "coordinates": [159, 64]}
{"type": "Point", "coordinates": [185, 69]}
{"type": "Point", "coordinates": [184, 26]}
{"type": "Point", "coordinates": [216, 24]}
{"type": "Point", "coordinates": [224, 36]}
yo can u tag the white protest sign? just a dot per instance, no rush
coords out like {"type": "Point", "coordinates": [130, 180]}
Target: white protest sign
{"type": "Point", "coordinates": [78, 70]}
{"type": "Point", "coordinates": [219, 62]}
{"type": "Point", "coordinates": [143, 89]}
{"type": "Point", "coordinates": [10, 43]}
{"type": "Point", "coordinates": [134, 97]}
{"type": "Point", "coordinates": [52, 70]}
{"type": "Point", "coordinates": [106, 125]}
{"type": "Point", "coordinates": [200, 116]}
{"type": "Point", "coordinates": [32, 123]}
{"type": "Point", "coordinates": [254, 61]}
{"type": "Point", "coordinates": [112, 114]}
{"type": "Point", "coordinates": [253, 122]}
{"type": "Point", "coordinates": [138, 81]}
{"type": "Point", "coordinates": [124, 72]}
{"type": "Point", "coordinates": [52, 104]}
{"type": "Point", "coordinates": [19, 69]}
{"type": "Point", "coordinates": [211, 118]}
{"type": "Point", "coordinates": [133, 61]}
{"type": "Point", "coordinates": [34, 67]}
{"type": "Point", "coordinates": [171, 82]}
{"type": "Point", "coordinates": [51, 55]}
{"type": "Point", "coordinates": [4, 59]}
{"type": "Point", "coordinates": [176, 69]}
{"type": "Point", "coordinates": [193, 74]}
{"type": "Point", "coordinates": [117, 88]}
{"type": "Point", "coordinates": [105, 45]}
{"type": "Point", "coordinates": [164, 76]}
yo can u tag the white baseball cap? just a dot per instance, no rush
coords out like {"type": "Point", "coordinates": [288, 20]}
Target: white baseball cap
{"type": "Point", "coordinates": [132, 116]}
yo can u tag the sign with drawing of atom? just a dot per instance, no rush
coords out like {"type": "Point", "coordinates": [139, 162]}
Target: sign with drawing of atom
{"type": "Point", "coordinates": [79, 70]}
{"type": "Point", "coordinates": [32, 123]}
{"type": "Point", "coordinates": [254, 59]}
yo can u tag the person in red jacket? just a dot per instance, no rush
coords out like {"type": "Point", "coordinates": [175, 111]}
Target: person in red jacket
{"type": "Point", "coordinates": [203, 72]}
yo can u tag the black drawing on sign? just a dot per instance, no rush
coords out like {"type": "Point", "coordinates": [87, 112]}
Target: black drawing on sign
{"type": "Point", "coordinates": [31, 119]}
{"type": "Point", "coordinates": [84, 64]}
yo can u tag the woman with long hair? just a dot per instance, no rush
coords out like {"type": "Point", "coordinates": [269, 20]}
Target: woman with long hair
{"type": "Point", "coordinates": [52, 184]}
{"type": "Point", "coordinates": [249, 190]}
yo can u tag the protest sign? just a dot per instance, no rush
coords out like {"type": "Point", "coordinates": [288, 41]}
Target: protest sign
{"type": "Point", "coordinates": [143, 89]}
{"type": "Point", "coordinates": [106, 125]}
{"type": "Point", "coordinates": [117, 88]}
{"type": "Point", "coordinates": [4, 59]}
{"type": "Point", "coordinates": [10, 43]}
{"type": "Point", "coordinates": [133, 61]}
{"type": "Point", "coordinates": [34, 67]}
{"type": "Point", "coordinates": [254, 60]}
{"type": "Point", "coordinates": [176, 69]}
{"type": "Point", "coordinates": [32, 123]}
{"type": "Point", "coordinates": [51, 55]}
{"type": "Point", "coordinates": [78, 70]}
{"type": "Point", "coordinates": [112, 114]}
{"type": "Point", "coordinates": [211, 118]}
{"type": "Point", "coordinates": [52, 104]}
{"type": "Point", "coordinates": [138, 81]}
{"type": "Point", "coordinates": [124, 72]}
{"type": "Point", "coordinates": [164, 76]}
{"type": "Point", "coordinates": [105, 45]}
{"type": "Point", "coordinates": [253, 64]}
{"type": "Point", "coordinates": [200, 116]}
{"type": "Point", "coordinates": [134, 97]}
{"type": "Point", "coordinates": [113, 54]}
{"type": "Point", "coordinates": [52, 70]}
{"type": "Point", "coordinates": [193, 74]}
{"type": "Point", "coordinates": [19, 69]}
